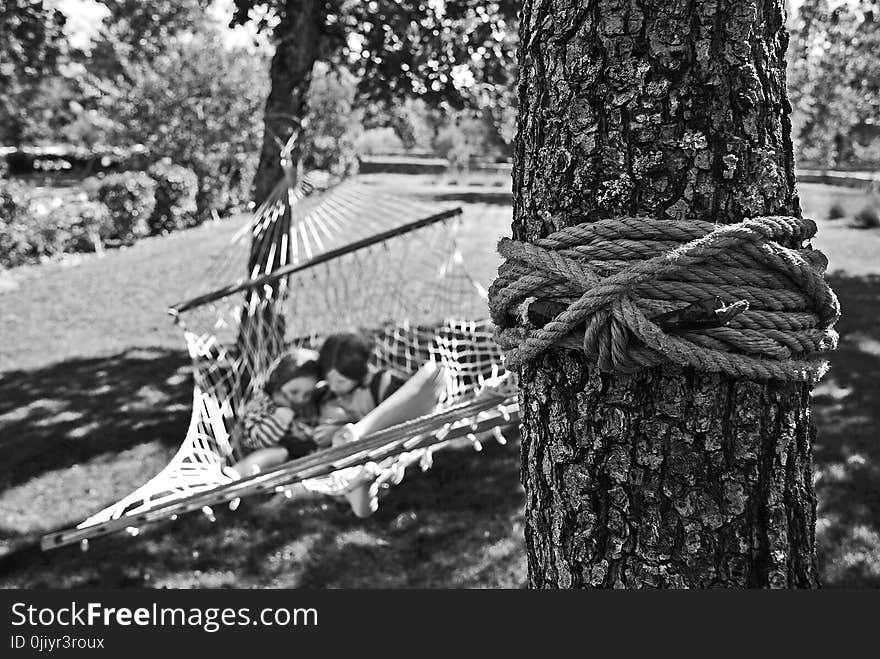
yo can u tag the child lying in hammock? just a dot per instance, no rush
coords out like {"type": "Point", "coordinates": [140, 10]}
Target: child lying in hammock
{"type": "Point", "coordinates": [279, 425]}
{"type": "Point", "coordinates": [366, 401]}
{"type": "Point", "coordinates": [295, 417]}
{"type": "Point", "coordinates": [358, 400]}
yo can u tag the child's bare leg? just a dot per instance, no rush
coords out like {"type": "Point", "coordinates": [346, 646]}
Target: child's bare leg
{"type": "Point", "coordinates": [418, 395]}
{"type": "Point", "coordinates": [360, 497]}
{"type": "Point", "coordinates": [261, 460]}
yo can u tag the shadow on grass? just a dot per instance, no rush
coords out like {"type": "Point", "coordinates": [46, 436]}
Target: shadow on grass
{"type": "Point", "coordinates": [66, 413]}
{"type": "Point", "coordinates": [457, 525]}
{"type": "Point", "coordinates": [846, 409]}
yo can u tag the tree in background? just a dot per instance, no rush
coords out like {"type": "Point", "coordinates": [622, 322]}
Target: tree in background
{"type": "Point", "coordinates": [414, 123]}
{"type": "Point", "coordinates": [333, 121]}
{"type": "Point", "coordinates": [134, 32]}
{"type": "Point", "coordinates": [835, 82]}
{"type": "Point", "coordinates": [31, 42]}
{"type": "Point", "coordinates": [467, 135]}
{"type": "Point", "coordinates": [456, 52]}
{"type": "Point", "coordinates": [73, 103]}
{"type": "Point", "coordinates": [668, 477]}
{"type": "Point", "coordinates": [200, 104]}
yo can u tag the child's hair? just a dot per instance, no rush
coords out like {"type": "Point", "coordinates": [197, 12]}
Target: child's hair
{"type": "Point", "coordinates": [288, 369]}
{"type": "Point", "coordinates": [347, 353]}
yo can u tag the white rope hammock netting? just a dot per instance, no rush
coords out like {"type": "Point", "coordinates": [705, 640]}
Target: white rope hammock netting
{"type": "Point", "coordinates": [348, 257]}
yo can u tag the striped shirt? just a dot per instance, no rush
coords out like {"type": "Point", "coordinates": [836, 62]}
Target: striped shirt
{"type": "Point", "coordinates": [266, 424]}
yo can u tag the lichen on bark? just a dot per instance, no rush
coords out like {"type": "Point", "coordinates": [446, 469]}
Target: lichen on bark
{"type": "Point", "coordinates": [670, 478]}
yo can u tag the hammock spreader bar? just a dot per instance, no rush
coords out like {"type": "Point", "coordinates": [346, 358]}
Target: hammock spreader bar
{"type": "Point", "coordinates": [277, 274]}
{"type": "Point", "coordinates": [421, 433]}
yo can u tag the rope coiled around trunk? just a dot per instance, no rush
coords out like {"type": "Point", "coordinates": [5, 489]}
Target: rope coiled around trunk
{"type": "Point", "coordinates": [618, 277]}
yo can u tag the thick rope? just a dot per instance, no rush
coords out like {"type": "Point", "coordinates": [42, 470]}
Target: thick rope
{"type": "Point", "coordinates": [623, 279]}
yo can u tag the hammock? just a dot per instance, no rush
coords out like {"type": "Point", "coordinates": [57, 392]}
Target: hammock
{"type": "Point", "coordinates": [342, 257]}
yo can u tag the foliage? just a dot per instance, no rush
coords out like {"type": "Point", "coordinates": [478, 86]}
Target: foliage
{"type": "Point", "coordinates": [333, 122]}
{"type": "Point", "coordinates": [36, 228]}
{"type": "Point", "coordinates": [836, 211]}
{"type": "Point", "coordinates": [176, 190]}
{"type": "Point", "coordinates": [834, 82]}
{"type": "Point", "coordinates": [414, 122]}
{"type": "Point", "coordinates": [137, 32]}
{"type": "Point", "coordinates": [868, 154]}
{"type": "Point", "coordinates": [130, 198]}
{"type": "Point", "coordinates": [30, 47]}
{"type": "Point", "coordinates": [447, 53]}
{"type": "Point", "coordinates": [868, 218]}
{"type": "Point", "coordinates": [71, 225]}
{"type": "Point", "coordinates": [453, 144]}
{"type": "Point", "coordinates": [14, 234]}
{"type": "Point", "coordinates": [378, 140]}
{"type": "Point", "coordinates": [456, 52]}
{"type": "Point", "coordinates": [464, 138]}
{"type": "Point", "coordinates": [69, 105]}
{"type": "Point", "coordinates": [199, 103]}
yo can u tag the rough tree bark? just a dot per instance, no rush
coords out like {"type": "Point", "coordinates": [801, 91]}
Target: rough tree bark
{"type": "Point", "coordinates": [297, 39]}
{"type": "Point", "coordinates": [297, 45]}
{"type": "Point", "coordinates": [671, 478]}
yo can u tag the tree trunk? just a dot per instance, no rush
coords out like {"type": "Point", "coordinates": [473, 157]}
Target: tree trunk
{"type": "Point", "coordinates": [670, 478]}
{"type": "Point", "coordinates": [297, 46]}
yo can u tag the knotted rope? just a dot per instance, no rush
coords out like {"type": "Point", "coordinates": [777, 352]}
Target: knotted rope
{"type": "Point", "coordinates": [639, 289]}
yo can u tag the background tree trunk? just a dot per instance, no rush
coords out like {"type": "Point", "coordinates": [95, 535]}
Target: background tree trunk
{"type": "Point", "coordinates": [297, 45]}
{"type": "Point", "coordinates": [671, 478]}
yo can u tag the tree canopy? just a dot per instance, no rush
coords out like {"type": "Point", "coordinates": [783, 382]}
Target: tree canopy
{"type": "Point", "coordinates": [834, 76]}
{"type": "Point", "coordinates": [455, 52]}
{"type": "Point", "coordinates": [135, 31]}
{"type": "Point", "coordinates": [31, 42]}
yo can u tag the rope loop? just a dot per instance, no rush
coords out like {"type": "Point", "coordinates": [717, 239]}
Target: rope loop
{"type": "Point", "coordinates": [633, 293]}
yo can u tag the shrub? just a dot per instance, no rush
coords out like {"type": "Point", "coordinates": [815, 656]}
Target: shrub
{"type": "Point", "coordinates": [214, 128]}
{"type": "Point", "coordinates": [867, 154]}
{"type": "Point", "coordinates": [175, 194]}
{"type": "Point", "coordinates": [333, 123]}
{"type": "Point", "coordinates": [224, 182]}
{"type": "Point", "coordinates": [14, 233]}
{"type": "Point", "coordinates": [36, 228]}
{"type": "Point", "coordinates": [130, 198]}
{"type": "Point", "coordinates": [453, 144]}
{"type": "Point", "coordinates": [378, 140]}
{"type": "Point", "coordinates": [868, 218]}
{"type": "Point", "coordinates": [836, 211]}
{"type": "Point", "coordinates": [63, 226]}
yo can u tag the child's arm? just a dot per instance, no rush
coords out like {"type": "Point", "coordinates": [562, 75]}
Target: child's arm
{"type": "Point", "coordinates": [258, 461]}
{"type": "Point", "coordinates": [332, 419]}
{"type": "Point", "coordinates": [268, 428]}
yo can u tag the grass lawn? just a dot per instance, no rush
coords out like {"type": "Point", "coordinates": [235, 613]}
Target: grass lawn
{"type": "Point", "coordinates": [95, 394]}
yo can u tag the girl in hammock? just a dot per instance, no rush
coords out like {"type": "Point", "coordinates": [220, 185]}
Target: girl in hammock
{"type": "Point", "coordinates": [279, 425]}
{"type": "Point", "coordinates": [354, 389]}
{"type": "Point", "coordinates": [361, 400]}
{"type": "Point", "coordinates": [295, 418]}
{"type": "Point", "coordinates": [358, 400]}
